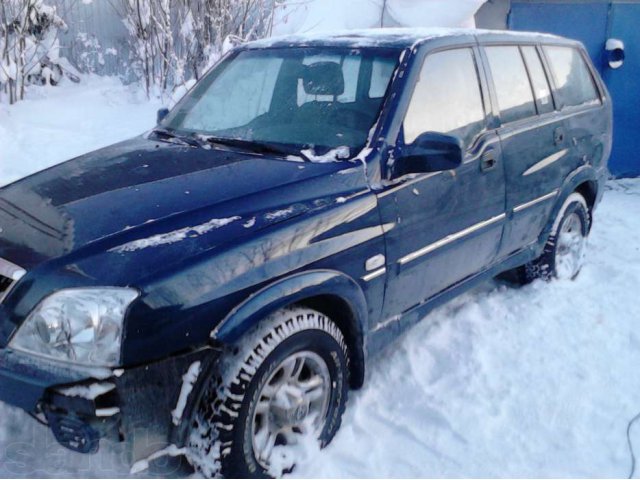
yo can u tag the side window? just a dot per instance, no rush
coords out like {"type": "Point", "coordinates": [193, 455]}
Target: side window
{"type": "Point", "coordinates": [539, 81]}
{"type": "Point", "coordinates": [447, 98]}
{"type": "Point", "coordinates": [572, 77]}
{"type": "Point", "coordinates": [511, 82]}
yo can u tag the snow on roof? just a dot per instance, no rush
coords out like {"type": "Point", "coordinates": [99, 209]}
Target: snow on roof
{"type": "Point", "coordinates": [383, 37]}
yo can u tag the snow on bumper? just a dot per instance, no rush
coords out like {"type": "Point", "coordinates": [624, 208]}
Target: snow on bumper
{"type": "Point", "coordinates": [24, 379]}
{"type": "Point", "coordinates": [83, 405]}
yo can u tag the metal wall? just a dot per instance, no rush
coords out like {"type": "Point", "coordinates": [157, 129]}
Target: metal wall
{"type": "Point", "coordinates": [100, 20]}
{"type": "Point", "coordinates": [593, 22]}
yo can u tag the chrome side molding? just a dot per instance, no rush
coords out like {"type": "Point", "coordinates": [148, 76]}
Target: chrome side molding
{"type": "Point", "coordinates": [374, 274]}
{"type": "Point", "coordinates": [535, 201]}
{"type": "Point", "coordinates": [545, 162]}
{"type": "Point", "coordinates": [450, 238]}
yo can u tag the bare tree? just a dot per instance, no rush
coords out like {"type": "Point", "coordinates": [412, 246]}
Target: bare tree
{"type": "Point", "coordinates": [28, 35]}
{"type": "Point", "coordinates": [176, 40]}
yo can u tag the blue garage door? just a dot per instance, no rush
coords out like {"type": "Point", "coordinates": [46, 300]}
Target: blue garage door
{"type": "Point", "coordinates": [593, 22]}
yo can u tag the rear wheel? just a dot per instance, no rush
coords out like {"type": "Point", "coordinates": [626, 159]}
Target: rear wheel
{"type": "Point", "coordinates": [283, 384]}
{"type": "Point", "coordinates": [564, 252]}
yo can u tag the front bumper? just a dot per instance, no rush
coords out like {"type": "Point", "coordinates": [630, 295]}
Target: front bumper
{"type": "Point", "coordinates": [83, 405]}
{"type": "Point", "coordinates": [25, 378]}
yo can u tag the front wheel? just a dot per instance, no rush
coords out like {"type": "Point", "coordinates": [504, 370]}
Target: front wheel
{"type": "Point", "coordinates": [564, 252]}
{"type": "Point", "coordinates": [283, 384]}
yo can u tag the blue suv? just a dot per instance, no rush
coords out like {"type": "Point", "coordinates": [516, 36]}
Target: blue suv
{"type": "Point", "coordinates": [220, 283]}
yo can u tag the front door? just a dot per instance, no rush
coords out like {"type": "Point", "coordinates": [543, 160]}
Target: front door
{"type": "Point", "coordinates": [446, 225]}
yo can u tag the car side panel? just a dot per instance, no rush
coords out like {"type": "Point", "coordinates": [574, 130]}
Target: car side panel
{"type": "Point", "coordinates": [180, 310]}
{"type": "Point", "coordinates": [447, 225]}
{"type": "Point", "coordinates": [535, 166]}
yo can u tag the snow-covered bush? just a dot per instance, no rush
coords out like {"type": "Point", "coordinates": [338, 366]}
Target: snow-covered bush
{"type": "Point", "coordinates": [91, 56]}
{"type": "Point", "coordinates": [173, 41]}
{"type": "Point", "coordinates": [29, 46]}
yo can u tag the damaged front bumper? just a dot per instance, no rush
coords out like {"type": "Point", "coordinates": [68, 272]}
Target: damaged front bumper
{"type": "Point", "coordinates": [82, 405]}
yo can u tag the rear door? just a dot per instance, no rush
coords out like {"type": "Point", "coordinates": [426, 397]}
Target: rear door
{"type": "Point", "coordinates": [444, 226]}
{"type": "Point", "coordinates": [533, 138]}
{"type": "Point", "coordinates": [580, 101]}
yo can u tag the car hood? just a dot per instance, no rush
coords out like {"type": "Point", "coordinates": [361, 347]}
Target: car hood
{"type": "Point", "coordinates": [142, 192]}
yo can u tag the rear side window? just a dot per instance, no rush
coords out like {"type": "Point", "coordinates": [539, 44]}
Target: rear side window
{"type": "Point", "coordinates": [539, 81]}
{"type": "Point", "coordinates": [447, 98]}
{"type": "Point", "coordinates": [573, 80]}
{"type": "Point", "coordinates": [511, 82]}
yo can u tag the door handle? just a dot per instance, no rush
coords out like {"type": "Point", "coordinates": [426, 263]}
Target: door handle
{"type": "Point", "coordinates": [488, 161]}
{"type": "Point", "coordinates": [558, 136]}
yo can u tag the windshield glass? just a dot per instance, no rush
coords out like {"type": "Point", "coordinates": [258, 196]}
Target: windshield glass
{"type": "Point", "coordinates": [320, 97]}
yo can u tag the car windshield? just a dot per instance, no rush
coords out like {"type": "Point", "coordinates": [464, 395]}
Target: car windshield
{"type": "Point", "coordinates": [318, 98]}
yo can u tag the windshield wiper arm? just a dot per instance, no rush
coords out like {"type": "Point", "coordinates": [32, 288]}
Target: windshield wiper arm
{"type": "Point", "coordinates": [168, 134]}
{"type": "Point", "coordinates": [256, 146]}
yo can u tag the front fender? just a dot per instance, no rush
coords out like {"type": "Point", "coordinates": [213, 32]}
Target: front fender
{"type": "Point", "coordinates": [290, 290]}
{"type": "Point", "coordinates": [296, 288]}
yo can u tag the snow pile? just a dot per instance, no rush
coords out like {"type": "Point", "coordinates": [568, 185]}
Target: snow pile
{"type": "Point", "coordinates": [539, 381]}
{"type": "Point", "coordinates": [56, 124]}
{"type": "Point", "coordinates": [284, 458]}
{"type": "Point", "coordinates": [330, 15]}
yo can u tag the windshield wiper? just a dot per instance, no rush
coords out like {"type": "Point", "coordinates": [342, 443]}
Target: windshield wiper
{"type": "Point", "coordinates": [255, 146]}
{"type": "Point", "coordinates": [170, 135]}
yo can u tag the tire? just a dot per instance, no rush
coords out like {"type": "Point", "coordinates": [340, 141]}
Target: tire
{"type": "Point", "coordinates": [260, 388]}
{"type": "Point", "coordinates": [563, 254]}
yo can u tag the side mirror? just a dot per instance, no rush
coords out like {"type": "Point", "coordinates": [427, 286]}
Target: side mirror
{"type": "Point", "coordinates": [162, 113]}
{"type": "Point", "coordinates": [615, 53]}
{"type": "Point", "coordinates": [430, 152]}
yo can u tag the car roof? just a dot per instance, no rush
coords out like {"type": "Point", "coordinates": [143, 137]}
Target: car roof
{"type": "Point", "coordinates": [396, 37]}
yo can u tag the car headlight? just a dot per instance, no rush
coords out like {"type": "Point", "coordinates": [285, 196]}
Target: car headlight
{"type": "Point", "coordinates": [79, 325]}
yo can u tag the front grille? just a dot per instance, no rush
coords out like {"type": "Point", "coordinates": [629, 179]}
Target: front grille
{"type": "Point", "coordinates": [9, 274]}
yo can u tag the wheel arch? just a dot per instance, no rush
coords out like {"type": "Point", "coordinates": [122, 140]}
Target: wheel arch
{"type": "Point", "coordinates": [330, 292]}
{"type": "Point", "coordinates": [589, 190]}
{"type": "Point", "coordinates": [583, 180]}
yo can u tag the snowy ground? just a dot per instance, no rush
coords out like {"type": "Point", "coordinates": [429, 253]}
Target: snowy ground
{"type": "Point", "coordinates": [533, 382]}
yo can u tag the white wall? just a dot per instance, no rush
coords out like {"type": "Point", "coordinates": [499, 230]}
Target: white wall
{"type": "Point", "coordinates": [101, 18]}
{"type": "Point", "coordinates": [324, 15]}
